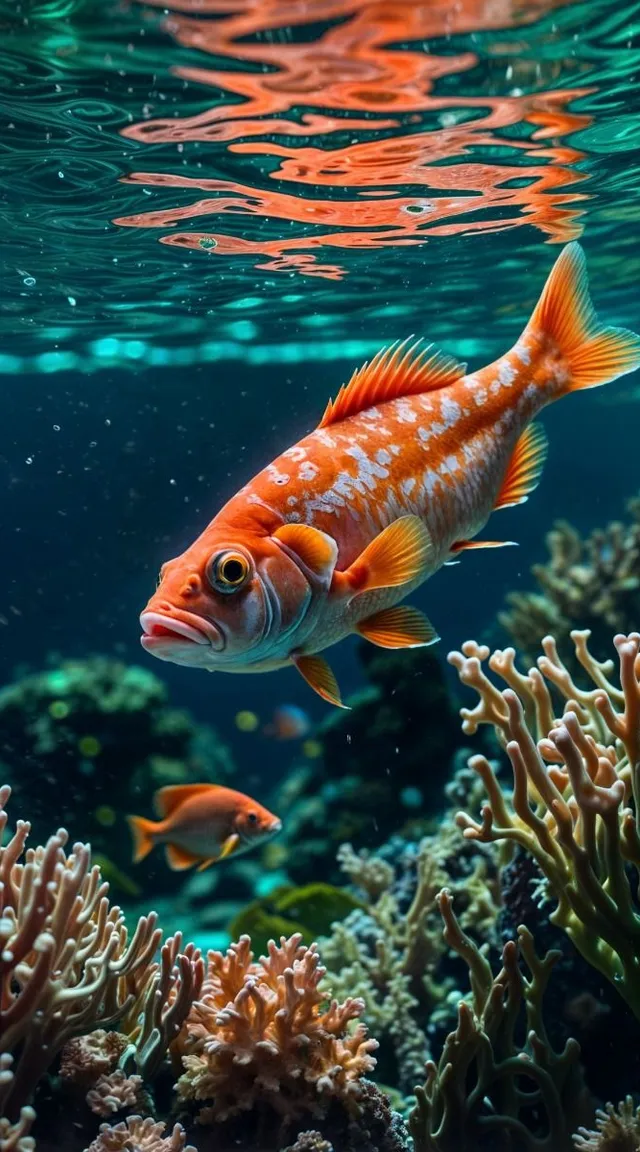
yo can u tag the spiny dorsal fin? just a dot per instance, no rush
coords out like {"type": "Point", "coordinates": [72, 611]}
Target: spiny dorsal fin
{"type": "Point", "coordinates": [525, 467]}
{"type": "Point", "coordinates": [404, 369]}
{"type": "Point", "coordinates": [168, 799]}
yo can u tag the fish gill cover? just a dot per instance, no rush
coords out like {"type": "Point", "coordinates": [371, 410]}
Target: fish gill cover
{"type": "Point", "coordinates": [207, 179]}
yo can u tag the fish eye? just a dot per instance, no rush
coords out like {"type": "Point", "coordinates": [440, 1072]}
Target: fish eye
{"type": "Point", "coordinates": [252, 817]}
{"type": "Point", "coordinates": [228, 571]}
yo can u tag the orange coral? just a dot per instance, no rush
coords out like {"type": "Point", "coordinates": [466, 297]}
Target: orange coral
{"type": "Point", "coordinates": [263, 1034]}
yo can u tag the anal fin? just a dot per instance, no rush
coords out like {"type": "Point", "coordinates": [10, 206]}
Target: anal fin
{"type": "Point", "coordinates": [179, 859]}
{"type": "Point", "coordinates": [318, 675]}
{"type": "Point", "coordinates": [399, 627]}
{"type": "Point", "coordinates": [525, 467]}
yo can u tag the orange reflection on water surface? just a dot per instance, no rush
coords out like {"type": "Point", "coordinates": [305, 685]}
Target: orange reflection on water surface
{"type": "Point", "coordinates": [364, 147]}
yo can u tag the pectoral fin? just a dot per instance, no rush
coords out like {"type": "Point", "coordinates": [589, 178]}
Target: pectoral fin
{"type": "Point", "coordinates": [318, 675]}
{"type": "Point", "coordinates": [228, 846]}
{"type": "Point", "coordinates": [399, 627]}
{"type": "Point", "coordinates": [399, 555]}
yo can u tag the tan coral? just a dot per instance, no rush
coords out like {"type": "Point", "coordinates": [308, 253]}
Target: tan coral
{"type": "Point", "coordinates": [262, 1034]}
{"type": "Point", "coordinates": [138, 1135]}
{"type": "Point", "coordinates": [114, 1093]}
{"type": "Point", "coordinates": [617, 1130]}
{"type": "Point", "coordinates": [576, 777]}
{"type": "Point", "coordinates": [66, 957]}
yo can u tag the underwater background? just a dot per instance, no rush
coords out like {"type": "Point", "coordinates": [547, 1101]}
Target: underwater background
{"type": "Point", "coordinates": [212, 211]}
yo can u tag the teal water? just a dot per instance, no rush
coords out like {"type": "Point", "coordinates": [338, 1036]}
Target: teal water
{"type": "Point", "coordinates": [212, 212]}
{"type": "Point", "coordinates": [266, 182]}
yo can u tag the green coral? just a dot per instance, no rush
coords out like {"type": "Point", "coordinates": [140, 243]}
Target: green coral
{"type": "Point", "coordinates": [574, 806]}
{"type": "Point", "coordinates": [391, 954]}
{"type": "Point", "coordinates": [99, 737]}
{"type": "Point", "coordinates": [488, 1091]}
{"type": "Point", "coordinates": [309, 910]}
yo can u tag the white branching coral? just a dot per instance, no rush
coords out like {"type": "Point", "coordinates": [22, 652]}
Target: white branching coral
{"type": "Point", "coordinates": [576, 776]}
{"type": "Point", "coordinates": [138, 1135]}
{"type": "Point", "coordinates": [263, 1034]}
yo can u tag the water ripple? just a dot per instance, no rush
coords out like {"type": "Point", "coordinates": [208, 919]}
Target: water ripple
{"type": "Point", "coordinates": [339, 165]}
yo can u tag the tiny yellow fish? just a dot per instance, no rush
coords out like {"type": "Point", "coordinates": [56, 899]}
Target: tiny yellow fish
{"type": "Point", "coordinates": [201, 824]}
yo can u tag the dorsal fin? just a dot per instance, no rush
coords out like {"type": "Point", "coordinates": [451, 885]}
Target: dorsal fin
{"type": "Point", "coordinates": [524, 468]}
{"type": "Point", "coordinates": [168, 799]}
{"type": "Point", "coordinates": [403, 369]}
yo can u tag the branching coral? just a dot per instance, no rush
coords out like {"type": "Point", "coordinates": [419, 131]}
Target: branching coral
{"type": "Point", "coordinates": [65, 955]}
{"type": "Point", "coordinates": [68, 964]}
{"type": "Point", "coordinates": [594, 582]}
{"type": "Point", "coordinates": [262, 1035]}
{"type": "Point", "coordinates": [164, 994]}
{"type": "Point", "coordinates": [114, 1092]}
{"type": "Point", "coordinates": [617, 1130]}
{"type": "Point", "coordinates": [138, 1135]}
{"type": "Point", "coordinates": [390, 954]}
{"type": "Point", "coordinates": [488, 1091]}
{"type": "Point", "coordinates": [576, 790]}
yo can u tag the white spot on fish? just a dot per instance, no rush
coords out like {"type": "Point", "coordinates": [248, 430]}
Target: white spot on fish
{"type": "Point", "coordinates": [506, 373]}
{"type": "Point", "coordinates": [292, 501]}
{"type": "Point", "coordinates": [424, 434]}
{"type": "Point", "coordinates": [450, 412]}
{"type": "Point", "coordinates": [480, 396]}
{"type": "Point", "coordinates": [408, 485]}
{"type": "Point", "coordinates": [278, 477]}
{"type": "Point", "coordinates": [522, 352]}
{"type": "Point", "coordinates": [430, 481]}
{"type": "Point", "coordinates": [320, 505]}
{"type": "Point", "coordinates": [368, 471]}
{"type": "Point", "coordinates": [296, 453]}
{"type": "Point", "coordinates": [382, 456]}
{"type": "Point", "coordinates": [325, 438]}
{"type": "Point", "coordinates": [471, 382]}
{"type": "Point", "coordinates": [452, 463]}
{"type": "Point", "coordinates": [395, 448]}
{"type": "Point", "coordinates": [495, 387]}
{"type": "Point", "coordinates": [307, 471]}
{"type": "Point", "coordinates": [405, 412]}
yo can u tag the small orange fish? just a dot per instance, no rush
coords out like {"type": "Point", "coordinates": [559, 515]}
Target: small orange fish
{"type": "Point", "coordinates": [200, 824]}
{"type": "Point", "coordinates": [405, 468]}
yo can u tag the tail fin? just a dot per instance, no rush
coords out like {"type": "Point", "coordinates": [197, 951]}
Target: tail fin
{"type": "Point", "coordinates": [594, 354]}
{"type": "Point", "coordinates": [142, 831]}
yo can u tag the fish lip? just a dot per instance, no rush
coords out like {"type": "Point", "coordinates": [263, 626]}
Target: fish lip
{"type": "Point", "coordinates": [195, 630]}
{"type": "Point", "coordinates": [275, 827]}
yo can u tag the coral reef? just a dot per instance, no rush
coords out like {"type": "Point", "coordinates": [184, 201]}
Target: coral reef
{"type": "Point", "coordinates": [98, 736]}
{"type": "Point", "coordinates": [401, 732]}
{"type": "Point", "coordinates": [488, 1092]}
{"type": "Point", "coordinates": [137, 1135]}
{"type": "Point", "coordinates": [392, 953]}
{"type": "Point", "coordinates": [95, 1021]}
{"type": "Point", "coordinates": [260, 1035]}
{"type": "Point", "coordinates": [576, 791]}
{"type": "Point", "coordinates": [617, 1130]}
{"type": "Point", "coordinates": [65, 955]}
{"type": "Point", "coordinates": [591, 582]}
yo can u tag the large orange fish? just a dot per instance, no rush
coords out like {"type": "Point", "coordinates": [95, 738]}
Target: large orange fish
{"type": "Point", "coordinates": [200, 824]}
{"type": "Point", "coordinates": [405, 468]}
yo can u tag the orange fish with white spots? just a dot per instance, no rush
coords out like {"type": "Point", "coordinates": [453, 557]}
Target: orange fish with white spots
{"type": "Point", "coordinates": [200, 824]}
{"type": "Point", "coordinates": [405, 468]}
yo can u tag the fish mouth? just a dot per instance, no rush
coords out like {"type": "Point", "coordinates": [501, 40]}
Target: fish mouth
{"type": "Point", "coordinates": [161, 633]}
